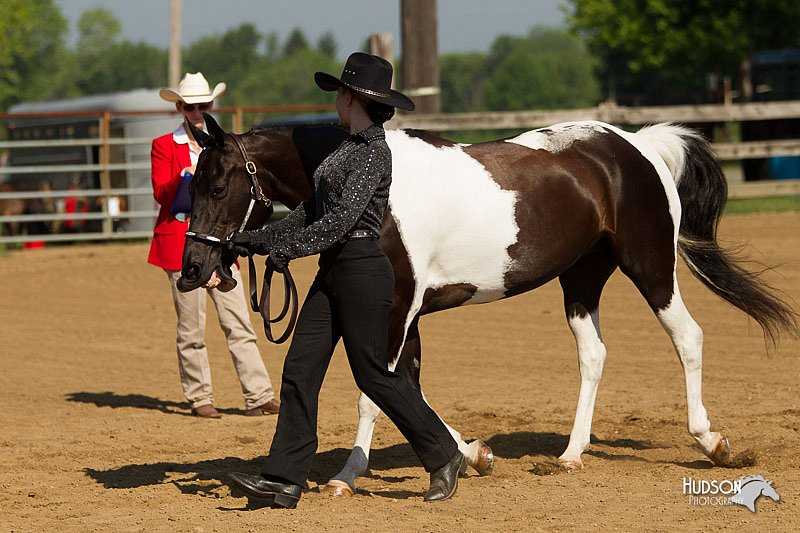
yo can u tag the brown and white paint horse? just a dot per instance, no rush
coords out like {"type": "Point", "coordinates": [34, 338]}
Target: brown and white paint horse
{"type": "Point", "coordinates": [476, 223]}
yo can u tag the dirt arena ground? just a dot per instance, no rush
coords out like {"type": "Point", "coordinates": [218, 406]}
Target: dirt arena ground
{"type": "Point", "coordinates": [95, 435]}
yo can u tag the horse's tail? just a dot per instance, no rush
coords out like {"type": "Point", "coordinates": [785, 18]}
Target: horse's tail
{"type": "Point", "coordinates": [703, 191]}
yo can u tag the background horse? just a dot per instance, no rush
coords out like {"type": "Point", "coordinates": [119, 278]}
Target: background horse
{"type": "Point", "coordinates": [32, 206]}
{"type": "Point", "coordinates": [10, 207]}
{"type": "Point", "coordinates": [477, 223]}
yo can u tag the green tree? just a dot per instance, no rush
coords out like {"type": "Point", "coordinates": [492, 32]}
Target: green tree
{"type": "Point", "coordinates": [272, 46]}
{"type": "Point", "coordinates": [145, 66]}
{"type": "Point", "coordinates": [229, 56]}
{"type": "Point", "coordinates": [296, 42]}
{"type": "Point", "coordinates": [289, 80]}
{"type": "Point", "coordinates": [548, 69]}
{"type": "Point", "coordinates": [97, 29]}
{"type": "Point", "coordinates": [655, 44]}
{"type": "Point", "coordinates": [106, 65]}
{"type": "Point", "coordinates": [32, 53]}
{"type": "Point", "coordinates": [327, 44]}
{"type": "Point", "coordinates": [461, 79]}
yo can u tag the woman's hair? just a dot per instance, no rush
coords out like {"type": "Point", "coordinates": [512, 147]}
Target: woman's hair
{"type": "Point", "coordinates": [378, 112]}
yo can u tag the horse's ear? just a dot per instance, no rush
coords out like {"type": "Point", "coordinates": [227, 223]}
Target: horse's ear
{"type": "Point", "coordinates": [215, 130]}
{"type": "Point", "coordinates": [202, 138]}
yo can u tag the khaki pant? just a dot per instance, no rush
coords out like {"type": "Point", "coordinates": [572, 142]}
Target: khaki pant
{"type": "Point", "coordinates": [234, 319]}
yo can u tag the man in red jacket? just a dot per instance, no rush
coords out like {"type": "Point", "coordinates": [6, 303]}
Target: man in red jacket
{"type": "Point", "coordinates": [173, 156]}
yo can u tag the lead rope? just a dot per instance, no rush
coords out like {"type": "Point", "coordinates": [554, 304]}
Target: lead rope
{"type": "Point", "coordinates": [262, 305]}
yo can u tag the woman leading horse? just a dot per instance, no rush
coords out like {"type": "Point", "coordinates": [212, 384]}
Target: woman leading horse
{"type": "Point", "coordinates": [350, 296]}
{"type": "Point", "coordinates": [476, 223]}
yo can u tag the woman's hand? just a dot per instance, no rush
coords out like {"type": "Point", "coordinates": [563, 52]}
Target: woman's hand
{"type": "Point", "coordinates": [247, 243]}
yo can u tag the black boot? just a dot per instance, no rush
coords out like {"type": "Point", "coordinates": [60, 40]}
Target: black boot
{"type": "Point", "coordinates": [284, 495]}
{"type": "Point", "coordinates": [444, 481]}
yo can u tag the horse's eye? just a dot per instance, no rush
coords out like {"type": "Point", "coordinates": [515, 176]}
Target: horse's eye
{"type": "Point", "coordinates": [217, 191]}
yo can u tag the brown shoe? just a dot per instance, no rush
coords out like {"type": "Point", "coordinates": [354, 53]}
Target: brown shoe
{"type": "Point", "coordinates": [270, 408]}
{"type": "Point", "coordinates": [206, 411]}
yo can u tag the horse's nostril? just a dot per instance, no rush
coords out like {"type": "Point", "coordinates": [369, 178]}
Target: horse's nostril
{"type": "Point", "coordinates": [192, 273]}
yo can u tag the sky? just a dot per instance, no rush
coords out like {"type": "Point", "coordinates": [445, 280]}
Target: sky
{"type": "Point", "coordinates": [463, 25]}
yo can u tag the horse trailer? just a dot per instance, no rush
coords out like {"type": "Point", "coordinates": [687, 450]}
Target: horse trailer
{"type": "Point", "coordinates": [80, 168]}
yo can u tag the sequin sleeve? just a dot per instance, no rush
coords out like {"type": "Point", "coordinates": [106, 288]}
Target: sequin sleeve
{"type": "Point", "coordinates": [363, 172]}
{"type": "Point", "coordinates": [295, 221]}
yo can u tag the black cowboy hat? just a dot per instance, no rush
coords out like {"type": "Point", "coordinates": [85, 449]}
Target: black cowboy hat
{"type": "Point", "coordinates": [368, 75]}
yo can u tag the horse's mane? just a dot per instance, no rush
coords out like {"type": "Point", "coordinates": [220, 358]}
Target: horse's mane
{"type": "Point", "coordinates": [276, 129]}
{"type": "Point", "coordinates": [313, 142]}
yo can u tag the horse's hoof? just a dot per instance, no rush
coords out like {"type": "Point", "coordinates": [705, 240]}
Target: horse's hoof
{"type": "Point", "coordinates": [484, 460]}
{"type": "Point", "coordinates": [338, 488]}
{"type": "Point", "coordinates": [721, 456]}
{"type": "Point", "coordinates": [571, 464]}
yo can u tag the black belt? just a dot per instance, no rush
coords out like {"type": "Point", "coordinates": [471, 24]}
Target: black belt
{"type": "Point", "coordinates": [359, 234]}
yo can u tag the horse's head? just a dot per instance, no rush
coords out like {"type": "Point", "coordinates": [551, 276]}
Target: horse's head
{"type": "Point", "coordinates": [221, 193]}
{"type": "Point", "coordinates": [285, 159]}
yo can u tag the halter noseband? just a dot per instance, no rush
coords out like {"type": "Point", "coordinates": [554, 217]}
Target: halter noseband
{"type": "Point", "coordinates": [261, 305]}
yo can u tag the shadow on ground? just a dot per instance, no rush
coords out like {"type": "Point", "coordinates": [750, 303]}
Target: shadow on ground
{"type": "Point", "coordinates": [206, 476]}
{"type": "Point", "coordinates": [138, 401]}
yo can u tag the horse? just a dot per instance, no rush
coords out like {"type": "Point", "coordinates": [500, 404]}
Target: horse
{"type": "Point", "coordinates": [10, 207]}
{"type": "Point", "coordinates": [32, 206]}
{"type": "Point", "coordinates": [752, 488]}
{"type": "Point", "coordinates": [469, 224]}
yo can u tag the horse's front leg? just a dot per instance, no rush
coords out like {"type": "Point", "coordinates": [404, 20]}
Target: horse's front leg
{"type": "Point", "coordinates": [582, 285]}
{"type": "Point", "coordinates": [344, 483]}
{"type": "Point", "coordinates": [591, 357]}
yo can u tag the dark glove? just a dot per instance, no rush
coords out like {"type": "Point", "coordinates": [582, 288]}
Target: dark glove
{"type": "Point", "coordinates": [247, 243]}
{"type": "Point", "coordinates": [277, 262]}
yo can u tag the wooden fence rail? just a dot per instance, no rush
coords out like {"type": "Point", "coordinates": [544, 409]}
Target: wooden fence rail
{"type": "Point", "coordinates": [611, 113]}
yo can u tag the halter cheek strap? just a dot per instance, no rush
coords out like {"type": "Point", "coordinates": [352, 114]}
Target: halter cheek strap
{"type": "Point", "coordinates": [256, 193]}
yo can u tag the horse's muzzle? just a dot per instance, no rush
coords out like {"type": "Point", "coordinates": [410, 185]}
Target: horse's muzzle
{"type": "Point", "coordinates": [191, 277]}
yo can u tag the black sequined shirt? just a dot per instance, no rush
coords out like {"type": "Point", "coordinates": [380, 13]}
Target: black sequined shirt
{"type": "Point", "coordinates": [351, 192]}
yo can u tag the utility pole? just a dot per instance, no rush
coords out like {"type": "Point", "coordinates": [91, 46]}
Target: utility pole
{"type": "Point", "coordinates": [381, 44]}
{"type": "Point", "coordinates": [174, 42]}
{"type": "Point", "coordinates": [420, 54]}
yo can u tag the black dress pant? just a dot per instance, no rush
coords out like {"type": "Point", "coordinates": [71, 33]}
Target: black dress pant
{"type": "Point", "coordinates": [349, 299]}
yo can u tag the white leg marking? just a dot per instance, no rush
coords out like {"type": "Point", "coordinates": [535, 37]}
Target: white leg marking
{"type": "Point", "coordinates": [591, 357]}
{"type": "Point", "coordinates": [462, 446]}
{"type": "Point", "coordinates": [687, 337]}
{"type": "Point", "coordinates": [358, 460]}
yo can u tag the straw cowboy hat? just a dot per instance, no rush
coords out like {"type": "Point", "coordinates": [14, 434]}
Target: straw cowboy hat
{"type": "Point", "coordinates": [368, 75]}
{"type": "Point", "coordinates": [193, 89]}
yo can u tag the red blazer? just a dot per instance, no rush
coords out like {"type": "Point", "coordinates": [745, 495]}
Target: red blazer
{"type": "Point", "coordinates": [167, 159]}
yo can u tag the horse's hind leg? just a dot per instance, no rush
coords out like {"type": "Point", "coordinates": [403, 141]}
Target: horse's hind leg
{"type": "Point", "coordinates": [657, 280]}
{"type": "Point", "coordinates": [687, 337]}
{"type": "Point", "coordinates": [582, 285]}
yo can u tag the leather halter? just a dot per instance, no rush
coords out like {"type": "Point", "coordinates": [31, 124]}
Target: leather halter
{"type": "Point", "coordinates": [259, 305]}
